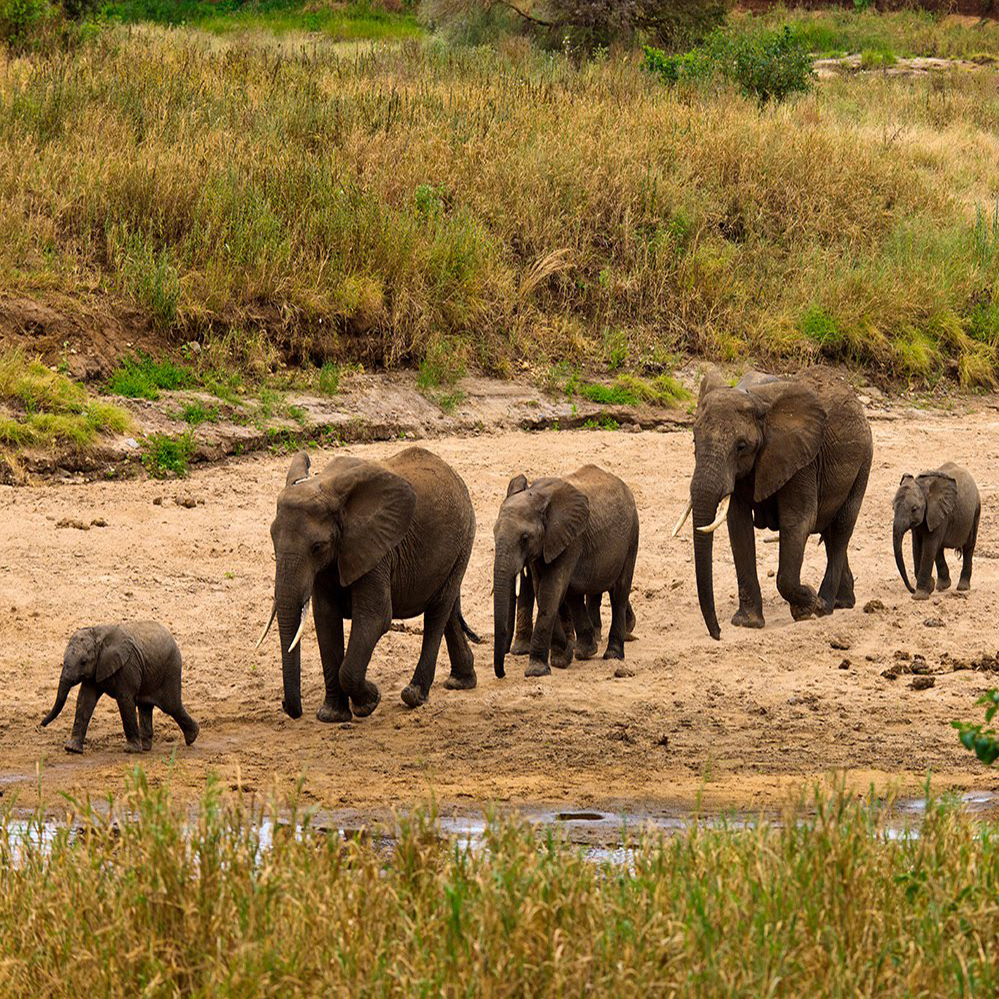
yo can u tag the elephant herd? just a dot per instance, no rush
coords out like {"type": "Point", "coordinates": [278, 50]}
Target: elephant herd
{"type": "Point", "coordinates": [371, 541]}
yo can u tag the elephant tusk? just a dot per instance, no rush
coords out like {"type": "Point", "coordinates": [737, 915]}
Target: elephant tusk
{"type": "Point", "coordinates": [266, 631]}
{"type": "Point", "coordinates": [683, 519]}
{"type": "Point", "coordinates": [720, 519]}
{"type": "Point", "coordinates": [301, 627]}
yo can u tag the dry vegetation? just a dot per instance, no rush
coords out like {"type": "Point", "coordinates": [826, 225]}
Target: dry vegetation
{"type": "Point", "coordinates": [159, 903]}
{"type": "Point", "coordinates": [379, 205]}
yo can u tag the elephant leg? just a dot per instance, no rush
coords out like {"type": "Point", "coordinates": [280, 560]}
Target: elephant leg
{"type": "Point", "coordinates": [968, 556]}
{"type": "Point", "coordinates": [329, 634]}
{"type": "Point", "coordinates": [563, 637]}
{"type": "Point", "coordinates": [845, 597]}
{"type": "Point", "coordinates": [129, 722]}
{"type": "Point", "coordinates": [187, 724]}
{"type": "Point", "coordinates": [619, 595]}
{"type": "Point", "coordinates": [435, 620]}
{"type": "Point", "coordinates": [593, 601]}
{"type": "Point", "coordinates": [460, 654]}
{"type": "Point", "coordinates": [924, 568]}
{"type": "Point", "coordinates": [630, 623]}
{"type": "Point", "coordinates": [86, 701]}
{"type": "Point", "coordinates": [371, 615]}
{"type": "Point", "coordinates": [587, 635]}
{"type": "Point", "coordinates": [525, 616]}
{"type": "Point", "coordinates": [742, 538]}
{"type": "Point", "coordinates": [146, 726]}
{"type": "Point", "coordinates": [550, 588]}
{"type": "Point", "coordinates": [943, 572]}
{"type": "Point", "coordinates": [792, 552]}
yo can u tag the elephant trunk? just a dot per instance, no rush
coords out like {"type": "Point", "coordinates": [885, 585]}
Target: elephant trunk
{"type": "Point", "coordinates": [60, 702]}
{"type": "Point", "coordinates": [505, 571]}
{"type": "Point", "coordinates": [290, 603]}
{"type": "Point", "coordinates": [705, 495]}
{"type": "Point", "coordinates": [898, 533]}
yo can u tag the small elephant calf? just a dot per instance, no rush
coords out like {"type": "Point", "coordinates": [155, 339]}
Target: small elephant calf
{"type": "Point", "coordinates": [138, 664]}
{"type": "Point", "coordinates": [942, 509]}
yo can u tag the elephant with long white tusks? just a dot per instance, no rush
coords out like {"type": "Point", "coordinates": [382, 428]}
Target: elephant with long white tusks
{"type": "Point", "coordinates": [942, 508]}
{"type": "Point", "coordinates": [789, 455]}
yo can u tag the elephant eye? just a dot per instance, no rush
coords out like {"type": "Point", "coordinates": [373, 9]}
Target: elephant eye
{"type": "Point", "coordinates": [524, 536]}
{"type": "Point", "coordinates": [741, 446]}
{"type": "Point", "coordinates": [317, 547]}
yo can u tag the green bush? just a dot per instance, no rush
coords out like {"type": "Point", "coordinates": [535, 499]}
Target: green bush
{"type": "Point", "coordinates": [768, 66]}
{"type": "Point", "coordinates": [142, 377]}
{"type": "Point", "coordinates": [164, 456]}
{"type": "Point", "coordinates": [19, 19]}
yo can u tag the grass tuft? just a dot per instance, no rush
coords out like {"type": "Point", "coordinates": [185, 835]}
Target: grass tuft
{"type": "Point", "coordinates": [142, 377]}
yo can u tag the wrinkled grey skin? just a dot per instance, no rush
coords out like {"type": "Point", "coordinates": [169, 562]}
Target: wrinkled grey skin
{"type": "Point", "coordinates": [795, 456]}
{"type": "Point", "coordinates": [942, 508]}
{"type": "Point", "coordinates": [370, 541]}
{"type": "Point", "coordinates": [577, 537]}
{"type": "Point", "coordinates": [139, 665]}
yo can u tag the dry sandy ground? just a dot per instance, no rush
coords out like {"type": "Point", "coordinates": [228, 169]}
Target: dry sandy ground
{"type": "Point", "coordinates": [739, 723]}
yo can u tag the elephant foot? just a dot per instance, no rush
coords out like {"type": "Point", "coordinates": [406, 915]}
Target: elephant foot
{"type": "Point", "coordinates": [413, 696]}
{"type": "Point", "coordinates": [748, 617]}
{"type": "Point", "coordinates": [823, 609]}
{"type": "Point", "coordinates": [334, 713]}
{"type": "Point", "coordinates": [614, 652]}
{"type": "Point", "coordinates": [537, 668]}
{"type": "Point", "coordinates": [943, 583]}
{"type": "Point", "coordinates": [586, 651]}
{"type": "Point", "coordinates": [133, 747]}
{"type": "Point", "coordinates": [74, 746]}
{"type": "Point", "coordinates": [921, 595]}
{"type": "Point", "coordinates": [964, 585]}
{"type": "Point", "coordinates": [147, 745]}
{"type": "Point", "coordinates": [364, 708]}
{"type": "Point", "coordinates": [191, 734]}
{"type": "Point", "coordinates": [561, 659]}
{"type": "Point", "coordinates": [845, 603]}
{"type": "Point", "coordinates": [521, 647]}
{"type": "Point", "coordinates": [460, 682]}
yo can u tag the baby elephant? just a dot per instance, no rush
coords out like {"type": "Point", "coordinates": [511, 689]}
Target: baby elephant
{"type": "Point", "coordinates": [138, 664]}
{"type": "Point", "coordinates": [578, 537]}
{"type": "Point", "coordinates": [942, 509]}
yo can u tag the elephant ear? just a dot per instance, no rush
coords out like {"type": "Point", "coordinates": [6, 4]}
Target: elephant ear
{"type": "Point", "coordinates": [376, 510]}
{"type": "Point", "coordinates": [941, 497]}
{"type": "Point", "coordinates": [711, 381]}
{"type": "Point", "coordinates": [517, 485]}
{"type": "Point", "coordinates": [566, 516]}
{"type": "Point", "coordinates": [114, 650]}
{"type": "Point", "coordinates": [794, 424]}
{"type": "Point", "coordinates": [299, 469]}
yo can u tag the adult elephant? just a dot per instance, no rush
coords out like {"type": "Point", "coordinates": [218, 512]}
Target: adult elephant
{"type": "Point", "coordinates": [791, 455]}
{"type": "Point", "coordinates": [371, 541]}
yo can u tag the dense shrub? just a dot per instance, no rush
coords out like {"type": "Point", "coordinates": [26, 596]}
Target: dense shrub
{"type": "Point", "coordinates": [585, 24]}
{"type": "Point", "coordinates": [767, 66]}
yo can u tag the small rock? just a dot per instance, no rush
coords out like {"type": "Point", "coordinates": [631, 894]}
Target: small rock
{"type": "Point", "coordinates": [98, 522]}
{"type": "Point", "coordinates": [840, 642]}
{"type": "Point", "coordinates": [922, 682]}
{"type": "Point", "coordinates": [933, 622]}
{"type": "Point", "coordinates": [623, 671]}
{"type": "Point", "coordinates": [188, 502]}
{"type": "Point", "coordinates": [872, 606]}
{"type": "Point", "coordinates": [770, 574]}
{"type": "Point", "coordinates": [131, 442]}
{"type": "Point", "coordinates": [193, 346]}
{"type": "Point", "coordinates": [80, 525]}
{"type": "Point", "coordinates": [662, 740]}
{"type": "Point", "coordinates": [845, 664]}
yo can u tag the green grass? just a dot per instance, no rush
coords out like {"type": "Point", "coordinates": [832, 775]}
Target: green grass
{"type": "Point", "coordinates": [357, 21]}
{"type": "Point", "coordinates": [43, 408]}
{"type": "Point", "coordinates": [166, 456]}
{"type": "Point", "coordinates": [196, 413]}
{"type": "Point", "coordinates": [143, 377]}
{"type": "Point", "coordinates": [160, 899]}
{"type": "Point", "coordinates": [630, 390]}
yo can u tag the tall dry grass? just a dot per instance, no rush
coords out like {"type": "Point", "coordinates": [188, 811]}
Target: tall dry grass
{"type": "Point", "coordinates": [375, 205]}
{"type": "Point", "coordinates": [159, 901]}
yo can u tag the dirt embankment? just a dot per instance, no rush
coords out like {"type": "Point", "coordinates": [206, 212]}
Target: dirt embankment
{"type": "Point", "coordinates": [739, 722]}
{"type": "Point", "coordinates": [974, 8]}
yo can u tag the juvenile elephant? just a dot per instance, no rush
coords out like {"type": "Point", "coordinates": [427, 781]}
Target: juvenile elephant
{"type": "Point", "coordinates": [790, 455]}
{"type": "Point", "coordinates": [139, 665]}
{"type": "Point", "coordinates": [370, 541]}
{"type": "Point", "coordinates": [942, 509]}
{"type": "Point", "coordinates": [578, 537]}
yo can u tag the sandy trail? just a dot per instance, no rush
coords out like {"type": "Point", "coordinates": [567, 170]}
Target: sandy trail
{"type": "Point", "coordinates": [738, 723]}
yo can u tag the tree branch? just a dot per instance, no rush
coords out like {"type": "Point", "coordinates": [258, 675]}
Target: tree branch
{"type": "Point", "coordinates": [523, 13]}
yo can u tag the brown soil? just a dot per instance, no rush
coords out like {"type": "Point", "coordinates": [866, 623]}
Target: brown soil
{"type": "Point", "coordinates": [739, 722]}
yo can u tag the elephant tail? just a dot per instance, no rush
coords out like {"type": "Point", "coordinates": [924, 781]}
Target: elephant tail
{"type": "Point", "coordinates": [472, 637]}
